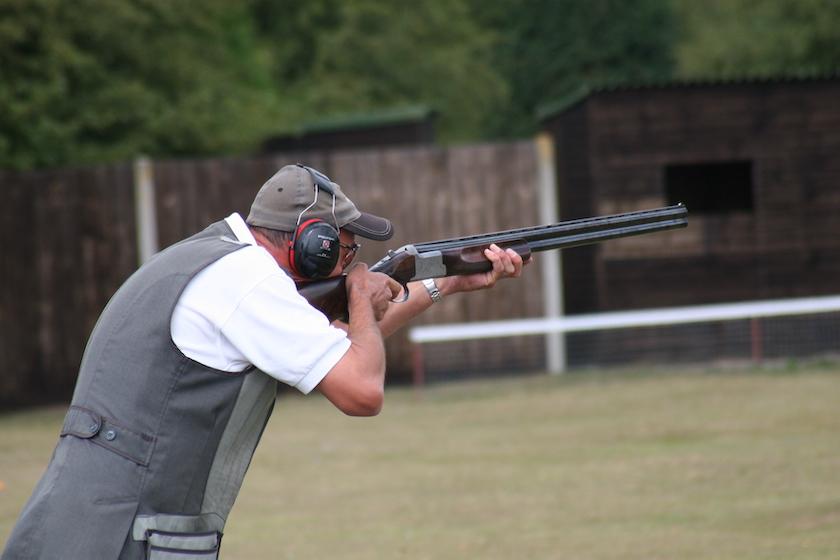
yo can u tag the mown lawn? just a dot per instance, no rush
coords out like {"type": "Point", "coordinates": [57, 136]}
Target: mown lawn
{"type": "Point", "coordinates": [740, 464]}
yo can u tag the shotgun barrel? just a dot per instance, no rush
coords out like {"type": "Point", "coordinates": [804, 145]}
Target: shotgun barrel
{"type": "Point", "coordinates": [574, 233]}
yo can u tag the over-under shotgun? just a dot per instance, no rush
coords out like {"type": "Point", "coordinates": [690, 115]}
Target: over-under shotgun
{"type": "Point", "coordinates": [465, 255]}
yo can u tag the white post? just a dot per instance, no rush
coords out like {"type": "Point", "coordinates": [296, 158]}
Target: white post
{"type": "Point", "coordinates": [555, 342]}
{"type": "Point", "coordinates": [144, 208]}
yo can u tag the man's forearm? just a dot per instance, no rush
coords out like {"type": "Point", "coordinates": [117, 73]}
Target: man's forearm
{"type": "Point", "coordinates": [366, 339]}
{"type": "Point", "coordinates": [399, 314]}
{"type": "Point", "coordinates": [356, 384]}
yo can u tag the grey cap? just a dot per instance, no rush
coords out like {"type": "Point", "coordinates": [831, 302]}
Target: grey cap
{"type": "Point", "coordinates": [288, 197]}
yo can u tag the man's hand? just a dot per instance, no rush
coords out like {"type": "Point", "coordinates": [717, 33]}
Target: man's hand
{"type": "Point", "coordinates": [376, 288]}
{"type": "Point", "coordinates": [506, 264]}
{"type": "Point", "coordinates": [356, 384]}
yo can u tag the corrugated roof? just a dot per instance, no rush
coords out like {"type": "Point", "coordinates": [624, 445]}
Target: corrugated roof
{"type": "Point", "coordinates": [563, 104]}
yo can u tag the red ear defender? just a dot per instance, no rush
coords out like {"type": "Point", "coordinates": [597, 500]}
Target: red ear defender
{"type": "Point", "coordinates": [315, 249]}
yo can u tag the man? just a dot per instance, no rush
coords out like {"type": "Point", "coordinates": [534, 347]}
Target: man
{"type": "Point", "coordinates": [179, 375]}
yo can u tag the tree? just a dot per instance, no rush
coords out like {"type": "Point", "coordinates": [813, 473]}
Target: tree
{"type": "Point", "coordinates": [737, 38]}
{"type": "Point", "coordinates": [333, 57]}
{"type": "Point", "coordinates": [549, 49]}
{"type": "Point", "coordinates": [92, 81]}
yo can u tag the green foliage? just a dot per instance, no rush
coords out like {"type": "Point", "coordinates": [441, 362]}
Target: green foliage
{"type": "Point", "coordinates": [93, 81]}
{"type": "Point", "coordinates": [552, 48]}
{"type": "Point", "coordinates": [360, 55]}
{"type": "Point", "coordinates": [726, 38]}
{"type": "Point", "coordinates": [104, 80]}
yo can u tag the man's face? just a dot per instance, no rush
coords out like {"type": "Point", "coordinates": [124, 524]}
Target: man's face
{"type": "Point", "coordinates": [348, 252]}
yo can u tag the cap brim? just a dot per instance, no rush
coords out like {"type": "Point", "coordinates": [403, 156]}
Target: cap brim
{"type": "Point", "coordinates": [371, 227]}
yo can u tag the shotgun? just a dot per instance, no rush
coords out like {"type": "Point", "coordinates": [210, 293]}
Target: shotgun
{"type": "Point", "coordinates": [465, 255]}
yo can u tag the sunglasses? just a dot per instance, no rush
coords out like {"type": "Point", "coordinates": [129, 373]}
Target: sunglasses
{"type": "Point", "coordinates": [352, 250]}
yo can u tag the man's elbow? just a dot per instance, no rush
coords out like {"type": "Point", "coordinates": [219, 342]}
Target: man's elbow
{"type": "Point", "coordinates": [358, 397]}
{"type": "Point", "coordinates": [366, 403]}
{"type": "Point", "coordinates": [355, 390]}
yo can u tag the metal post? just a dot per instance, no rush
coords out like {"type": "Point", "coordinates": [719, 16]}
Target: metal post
{"type": "Point", "coordinates": [552, 267]}
{"type": "Point", "coordinates": [144, 208]}
{"type": "Point", "coordinates": [418, 369]}
{"type": "Point", "coordinates": [756, 340]}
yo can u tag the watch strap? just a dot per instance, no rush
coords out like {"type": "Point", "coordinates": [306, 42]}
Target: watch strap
{"type": "Point", "coordinates": [432, 288]}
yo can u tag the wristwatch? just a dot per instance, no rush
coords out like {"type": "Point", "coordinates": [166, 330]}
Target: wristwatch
{"type": "Point", "coordinates": [432, 288]}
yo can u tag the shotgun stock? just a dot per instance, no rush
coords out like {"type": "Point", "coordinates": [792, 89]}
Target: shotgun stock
{"type": "Point", "coordinates": [465, 255]}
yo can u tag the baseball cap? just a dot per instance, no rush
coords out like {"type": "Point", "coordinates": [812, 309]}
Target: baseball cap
{"type": "Point", "coordinates": [291, 196]}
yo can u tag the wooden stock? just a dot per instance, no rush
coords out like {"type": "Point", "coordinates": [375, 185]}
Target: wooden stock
{"type": "Point", "coordinates": [469, 260]}
{"type": "Point", "coordinates": [329, 296]}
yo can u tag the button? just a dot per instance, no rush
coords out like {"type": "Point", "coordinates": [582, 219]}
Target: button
{"type": "Point", "coordinates": [94, 428]}
{"type": "Point", "coordinates": [110, 434]}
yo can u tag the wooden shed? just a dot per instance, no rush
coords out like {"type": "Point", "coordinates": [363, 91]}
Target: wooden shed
{"type": "Point", "coordinates": [757, 163]}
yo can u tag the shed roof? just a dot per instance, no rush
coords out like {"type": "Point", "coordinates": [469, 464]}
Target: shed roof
{"type": "Point", "coordinates": [384, 117]}
{"type": "Point", "coordinates": [563, 104]}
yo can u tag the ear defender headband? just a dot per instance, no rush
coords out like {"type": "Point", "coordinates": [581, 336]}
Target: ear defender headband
{"type": "Point", "coordinates": [315, 248]}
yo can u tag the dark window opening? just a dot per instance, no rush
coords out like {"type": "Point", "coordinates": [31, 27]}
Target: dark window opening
{"type": "Point", "coordinates": [711, 187]}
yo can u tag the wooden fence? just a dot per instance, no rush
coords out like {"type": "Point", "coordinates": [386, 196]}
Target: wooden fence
{"type": "Point", "coordinates": [69, 240]}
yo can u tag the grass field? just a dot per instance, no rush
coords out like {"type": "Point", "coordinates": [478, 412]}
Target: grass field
{"type": "Point", "coordinates": [598, 465]}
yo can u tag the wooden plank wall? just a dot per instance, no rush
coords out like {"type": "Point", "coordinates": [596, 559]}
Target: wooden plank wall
{"type": "Point", "coordinates": [67, 244]}
{"type": "Point", "coordinates": [69, 241]}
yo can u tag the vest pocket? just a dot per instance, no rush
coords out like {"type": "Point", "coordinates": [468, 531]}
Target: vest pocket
{"type": "Point", "coordinates": [161, 545]}
{"type": "Point", "coordinates": [179, 537]}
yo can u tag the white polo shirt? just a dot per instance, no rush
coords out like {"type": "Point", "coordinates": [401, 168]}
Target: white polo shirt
{"type": "Point", "coordinates": [244, 310]}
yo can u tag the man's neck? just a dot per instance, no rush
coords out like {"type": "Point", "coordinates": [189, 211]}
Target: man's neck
{"type": "Point", "coordinates": [280, 254]}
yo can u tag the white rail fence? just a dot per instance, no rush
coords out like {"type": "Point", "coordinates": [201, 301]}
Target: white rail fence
{"type": "Point", "coordinates": [551, 327]}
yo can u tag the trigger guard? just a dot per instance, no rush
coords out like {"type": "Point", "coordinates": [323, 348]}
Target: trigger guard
{"type": "Point", "coordinates": [403, 298]}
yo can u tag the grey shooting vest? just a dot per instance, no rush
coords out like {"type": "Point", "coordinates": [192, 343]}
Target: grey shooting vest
{"type": "Point", "coordinates": [155, 445]}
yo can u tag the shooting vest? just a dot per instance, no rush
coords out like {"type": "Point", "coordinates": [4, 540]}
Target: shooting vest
{"type": "Point", "coordinates": [155, 445]}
